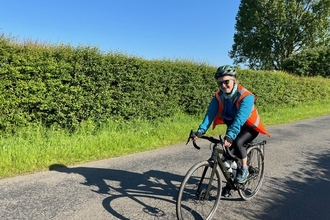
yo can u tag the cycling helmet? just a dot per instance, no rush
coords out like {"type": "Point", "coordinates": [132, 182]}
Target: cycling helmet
{"type": "Point", "coordinates": [225, 70]}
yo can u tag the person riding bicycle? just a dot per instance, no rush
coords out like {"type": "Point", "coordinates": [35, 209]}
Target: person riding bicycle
{"type": "Point", "coordinates": [234, 106]}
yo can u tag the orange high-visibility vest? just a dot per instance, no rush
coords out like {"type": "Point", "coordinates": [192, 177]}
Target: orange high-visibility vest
{"type": "Point", "coordinates": [254, 119]}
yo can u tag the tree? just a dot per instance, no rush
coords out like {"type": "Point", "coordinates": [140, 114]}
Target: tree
{"type": "Point", "coordinates": [268, 31]}
{"type": "Point", "coordinates": [309, 62]}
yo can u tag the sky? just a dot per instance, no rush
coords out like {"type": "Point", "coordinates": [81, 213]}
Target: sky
{"type": "Point", "coordinates": [193, 30]}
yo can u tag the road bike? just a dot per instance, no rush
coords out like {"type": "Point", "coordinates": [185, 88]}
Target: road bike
{"type": "Point", "coordinates": [200, 191]}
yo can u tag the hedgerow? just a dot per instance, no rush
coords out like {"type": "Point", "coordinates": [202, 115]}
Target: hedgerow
{"type": "Point", "coordinates": [62, 86]}
{"type": "Point", "coordinates": [309, 62]}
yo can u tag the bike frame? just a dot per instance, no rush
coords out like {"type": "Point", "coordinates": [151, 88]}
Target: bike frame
{"type": "Point", "coordinates": [215, 161]}
{"type": "Point", "coordinates": [202, 196]}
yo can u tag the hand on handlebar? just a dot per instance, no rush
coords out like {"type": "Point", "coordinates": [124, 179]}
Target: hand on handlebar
{"type": "Point", "coordinates": [195, 135]}
{"type": "Point", "coordinates": [227, 143]}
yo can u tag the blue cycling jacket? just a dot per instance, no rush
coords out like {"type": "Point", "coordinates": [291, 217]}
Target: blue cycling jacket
{"type": "Point", "coordinates": [233, 117]}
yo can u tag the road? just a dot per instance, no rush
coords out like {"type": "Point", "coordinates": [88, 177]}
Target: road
{"type": "Point", "coordinates": [144, 185]}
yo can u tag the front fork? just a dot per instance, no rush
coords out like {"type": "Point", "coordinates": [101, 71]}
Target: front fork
{"type": "Point", "coordinates": [205, 195]}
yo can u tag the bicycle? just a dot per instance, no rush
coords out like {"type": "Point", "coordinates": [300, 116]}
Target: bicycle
{"type": "Point", "coordinates": [200, 191]}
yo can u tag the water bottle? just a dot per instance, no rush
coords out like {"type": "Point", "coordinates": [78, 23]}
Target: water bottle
{"type": "Point", "coordinates": [227, 164]}
{"type": "Point", "coordinates": [233, 166]}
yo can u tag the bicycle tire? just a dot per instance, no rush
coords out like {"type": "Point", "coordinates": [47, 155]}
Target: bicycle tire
{"type": "Point", "coordinates": [191, 204]}
{"type": "Point", "coordinates": [256, 164]}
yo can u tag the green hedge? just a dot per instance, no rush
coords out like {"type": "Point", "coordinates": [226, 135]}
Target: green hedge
{"type": "Point", "coordinates": [280, 88]}
{"type": "Point", "coordinates": [62, 86]}
{"type": "Point", "coordinates": [309, 62]}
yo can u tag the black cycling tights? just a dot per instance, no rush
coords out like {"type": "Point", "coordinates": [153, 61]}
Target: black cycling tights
{"type": "Point", "coordinates": [246, 135]}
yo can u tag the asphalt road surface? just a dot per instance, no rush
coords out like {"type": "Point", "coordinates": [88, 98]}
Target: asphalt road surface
{"type": "Point", "coordinates": [144, 186]}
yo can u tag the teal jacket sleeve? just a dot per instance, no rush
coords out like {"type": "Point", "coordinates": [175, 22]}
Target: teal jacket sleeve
{"type": "Point", "coordinates": [243, 113]}
{"type": "Point", "coordinates": [209, 116]}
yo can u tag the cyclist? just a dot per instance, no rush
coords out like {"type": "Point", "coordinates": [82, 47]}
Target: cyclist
{"type": "Point", "coordinates": [233, 105]}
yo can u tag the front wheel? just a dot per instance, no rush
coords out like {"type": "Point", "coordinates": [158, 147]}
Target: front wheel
{"type": "Point", "coordinates": [255, 161]}
{"type": "Point", "coordinates": [194, 201]}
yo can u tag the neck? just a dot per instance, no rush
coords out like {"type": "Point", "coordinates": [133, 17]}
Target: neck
{"type": "Point", "coordinates": [231, 94]}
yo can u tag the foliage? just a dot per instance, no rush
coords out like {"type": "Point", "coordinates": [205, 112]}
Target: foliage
{"type": "Point", "coordinates": [275, 89]}
{"type": "Point", "coordinates": [270, 31]}
{"type": "Point", "coordinates": [61, 104]}
{"type": "Point", "coordinates": [60, 86]}
{"type": "Point", "coordinates": [310, 62]}
{"type": "Point", "coordinates": [34, 148]}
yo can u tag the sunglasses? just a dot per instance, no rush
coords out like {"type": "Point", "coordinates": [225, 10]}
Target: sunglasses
{"type": "Point", "coordinates": [225, 82]}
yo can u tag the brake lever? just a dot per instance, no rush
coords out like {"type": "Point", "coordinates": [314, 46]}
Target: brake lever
{"type": "Point", "coordinates": [188, 140]}
{"type": "Point", "coordinates": [192, 136]}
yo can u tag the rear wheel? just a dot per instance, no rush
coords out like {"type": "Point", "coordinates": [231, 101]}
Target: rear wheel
{"type": "Point", "coordinates": [256, 165]}
{"type": "Point", "coordinates": [193, 201]}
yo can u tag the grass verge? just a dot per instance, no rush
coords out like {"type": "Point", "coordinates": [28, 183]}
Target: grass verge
{"type": "Point", "coordinates": [35, 148]}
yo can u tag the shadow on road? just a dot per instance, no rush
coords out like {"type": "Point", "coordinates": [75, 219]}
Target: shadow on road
{"type": "Point", "coordinates": [153, 192]}
{"type": "Point", "coordinates": [304, 195]}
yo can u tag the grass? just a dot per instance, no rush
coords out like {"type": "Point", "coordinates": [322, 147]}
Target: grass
{"type": "Point", "coordinates": [35, 148]}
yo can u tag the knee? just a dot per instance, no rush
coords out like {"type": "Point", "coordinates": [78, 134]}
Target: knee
{"type": "Point", "coordinates": [239, 143]}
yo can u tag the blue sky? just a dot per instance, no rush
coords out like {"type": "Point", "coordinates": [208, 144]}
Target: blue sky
{"type": "Point", "coordinates": [194, 30]}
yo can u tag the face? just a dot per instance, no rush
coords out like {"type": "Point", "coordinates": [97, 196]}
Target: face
{"type": "Point", "coordinates": [226, 83]}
